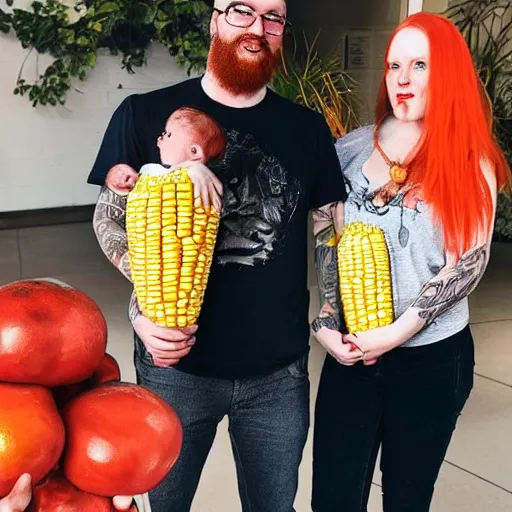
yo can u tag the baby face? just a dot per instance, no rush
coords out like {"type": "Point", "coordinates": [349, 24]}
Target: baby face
{"type": "Point", "coordinates": [177, 144]}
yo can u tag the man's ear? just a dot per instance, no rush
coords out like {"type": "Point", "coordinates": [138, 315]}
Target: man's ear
{"type": "Point", "coordinates": [196, 153]}
{"type": "Point", "coordinates": [213, 24]}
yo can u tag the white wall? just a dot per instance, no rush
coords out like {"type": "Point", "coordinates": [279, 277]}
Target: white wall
{"type": "Point", "coordinates": [46, 152]}
{"type": "Point", "coordinates": [415, 6]}
{"type": "Point", "coordinates": [437, 6]}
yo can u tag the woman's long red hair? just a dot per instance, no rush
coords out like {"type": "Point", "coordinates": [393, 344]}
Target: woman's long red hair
{"type": "Point", "coordinates": [457, 134]}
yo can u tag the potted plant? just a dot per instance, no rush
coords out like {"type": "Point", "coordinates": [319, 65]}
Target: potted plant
{"type": "Point", "coordinates": [321, 84]}
{"type": "Point", "coordinates": [487, 28]}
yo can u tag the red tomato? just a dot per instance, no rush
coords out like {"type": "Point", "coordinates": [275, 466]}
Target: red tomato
{"type": "Point", "coordinates": [122, 439]}
{"type": "Point", "coordinates": [57, 494]}
{"type": "Point", "coordinates": [107, 371]}
{"type": "Point", "coordinates": [31, 433]}
{"type": "Point", "coordinates": [50, 334]}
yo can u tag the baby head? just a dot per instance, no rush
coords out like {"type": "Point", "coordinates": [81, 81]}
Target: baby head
{"type": "Point", "coordinates": [191, 135]}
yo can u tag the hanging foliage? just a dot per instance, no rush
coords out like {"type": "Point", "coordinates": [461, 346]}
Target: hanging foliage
{"type": "Point", "coordinates": [73, 32]}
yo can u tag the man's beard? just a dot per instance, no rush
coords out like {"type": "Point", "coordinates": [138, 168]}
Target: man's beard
{"type": "Point", "coordinates": [242, 76]}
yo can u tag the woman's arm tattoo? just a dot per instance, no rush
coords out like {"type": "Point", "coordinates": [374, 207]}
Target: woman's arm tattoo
{"type": "Point", "coordinates": [452, 285]}
{"type": "Point", "coordinates": [327, 222]}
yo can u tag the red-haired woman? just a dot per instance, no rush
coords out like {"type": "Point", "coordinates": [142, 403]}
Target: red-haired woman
{"type": "Point", "coordinates": [426, 174]}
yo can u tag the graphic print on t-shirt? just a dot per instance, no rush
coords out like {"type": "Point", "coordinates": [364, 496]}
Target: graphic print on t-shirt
{"type": "Point", "coordinates": [382, 200]}
{"type": "Point", "coordinates": [260, 198]}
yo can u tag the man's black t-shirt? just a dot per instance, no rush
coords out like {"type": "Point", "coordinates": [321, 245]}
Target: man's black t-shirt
{"type": "Point", "coordinates": [280, 163]}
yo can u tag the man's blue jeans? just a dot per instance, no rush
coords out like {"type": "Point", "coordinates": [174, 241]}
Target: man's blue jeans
{"type": "Point", "coordinates": [268, 427]}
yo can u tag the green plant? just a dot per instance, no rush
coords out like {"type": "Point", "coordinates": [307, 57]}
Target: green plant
{"type": "Point", "coordinates": [487, 28]}
{"type": "Point", "coordinates": [503, 225]}
{"type": "Point", "coordinates": [321, 85]}
{"type": "Point", "coordinates": [74, 35]}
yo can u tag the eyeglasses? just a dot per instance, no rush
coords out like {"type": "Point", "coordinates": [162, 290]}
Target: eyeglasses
{"type": "Point", "coordinates": [243, 16]}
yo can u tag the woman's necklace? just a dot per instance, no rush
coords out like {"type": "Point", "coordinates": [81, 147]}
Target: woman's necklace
{"type": "Point", "coordinates": [397, 171]}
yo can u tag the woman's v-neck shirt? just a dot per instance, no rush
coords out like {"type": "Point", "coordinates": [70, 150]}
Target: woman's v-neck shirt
{"type": "Point", "coordinates": [414, 238]}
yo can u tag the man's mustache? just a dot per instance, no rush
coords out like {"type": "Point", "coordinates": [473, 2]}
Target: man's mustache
{"type": "Point", "coordinates": [252, 38]}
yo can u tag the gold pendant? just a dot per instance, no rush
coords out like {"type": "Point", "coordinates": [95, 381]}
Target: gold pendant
{"type": "Point", "coordinates": [398, 173]}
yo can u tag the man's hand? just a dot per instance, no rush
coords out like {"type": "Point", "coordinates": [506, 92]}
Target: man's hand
{"type": "Point", "coordinates": [345, 353]}
{"type": "Point", "coordinates": [207, 187]}
{"type": "Point", "coordinates": [20, 496]}
{"type": "Point", "coordinates": [121, 179]}
{"type": "Point", "coordinates": [166, 346]}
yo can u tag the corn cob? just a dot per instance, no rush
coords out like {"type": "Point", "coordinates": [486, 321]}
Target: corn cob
{"type": "Point", "coordinates": [171, 243]}
{"type": "Point", "coordinates": [365, 278]}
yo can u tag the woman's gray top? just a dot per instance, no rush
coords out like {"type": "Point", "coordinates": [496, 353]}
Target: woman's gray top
{"type": "Point", "coordinates": [415, 241]}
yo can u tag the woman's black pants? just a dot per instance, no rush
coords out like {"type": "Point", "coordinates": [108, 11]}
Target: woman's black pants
{"type": "Point", "coordinates": [407, 404]}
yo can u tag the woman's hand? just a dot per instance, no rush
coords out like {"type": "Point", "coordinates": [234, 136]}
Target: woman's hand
{"type": "Point", "coordinates": [333, 342]}
{"type": "Point", "coordinates": [374, 343]}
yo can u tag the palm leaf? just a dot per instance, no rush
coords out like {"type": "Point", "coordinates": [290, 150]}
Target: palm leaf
{"type": "Point", "coordinates": [487, 28]}
{"type": "Point", "coordinates": [321, 84]}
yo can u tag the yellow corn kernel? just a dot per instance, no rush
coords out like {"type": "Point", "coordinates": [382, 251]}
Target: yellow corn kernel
{"type": "Point", "coordinates": [364, 277]}
{"type": "Point", "coordinates": [171, 242]}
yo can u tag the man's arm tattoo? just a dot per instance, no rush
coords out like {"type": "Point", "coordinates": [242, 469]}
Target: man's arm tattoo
{"type": "Point", "coordinates": [110, 230]}
{"type": "Point", "coordinates": [326, 224]}
{"type": "Point", "coordinates": [441, 293]}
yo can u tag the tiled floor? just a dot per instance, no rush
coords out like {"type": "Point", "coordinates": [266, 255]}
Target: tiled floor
{"type": "Point", "coordinates": [477, 474]}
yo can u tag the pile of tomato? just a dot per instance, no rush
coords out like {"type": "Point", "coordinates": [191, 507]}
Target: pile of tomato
{"type": "Point", "coordinates": [66, 418]}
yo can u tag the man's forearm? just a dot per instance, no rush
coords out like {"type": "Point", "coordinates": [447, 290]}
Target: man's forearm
{"type": "Point", "coordinates": [327, 222]}
{"type": "Point", "coordinates": [109, 227]}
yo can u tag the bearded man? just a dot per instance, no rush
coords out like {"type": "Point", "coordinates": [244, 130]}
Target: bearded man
{"type": "Point", "coordinates": [247, 357]}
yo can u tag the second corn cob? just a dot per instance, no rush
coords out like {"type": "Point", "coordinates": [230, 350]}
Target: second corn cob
{"type": "Point", "coordinates": [171, 243]}
{"type": "Point", "coordinates": [365, 277]}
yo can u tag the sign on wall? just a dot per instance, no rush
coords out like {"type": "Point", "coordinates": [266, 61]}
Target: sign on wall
{"type": "Point", "coordinates": [358, 47]}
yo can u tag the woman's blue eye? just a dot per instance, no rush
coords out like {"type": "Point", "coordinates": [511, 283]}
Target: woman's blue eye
{"type": "Point", "coordinates": [421, 65]}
